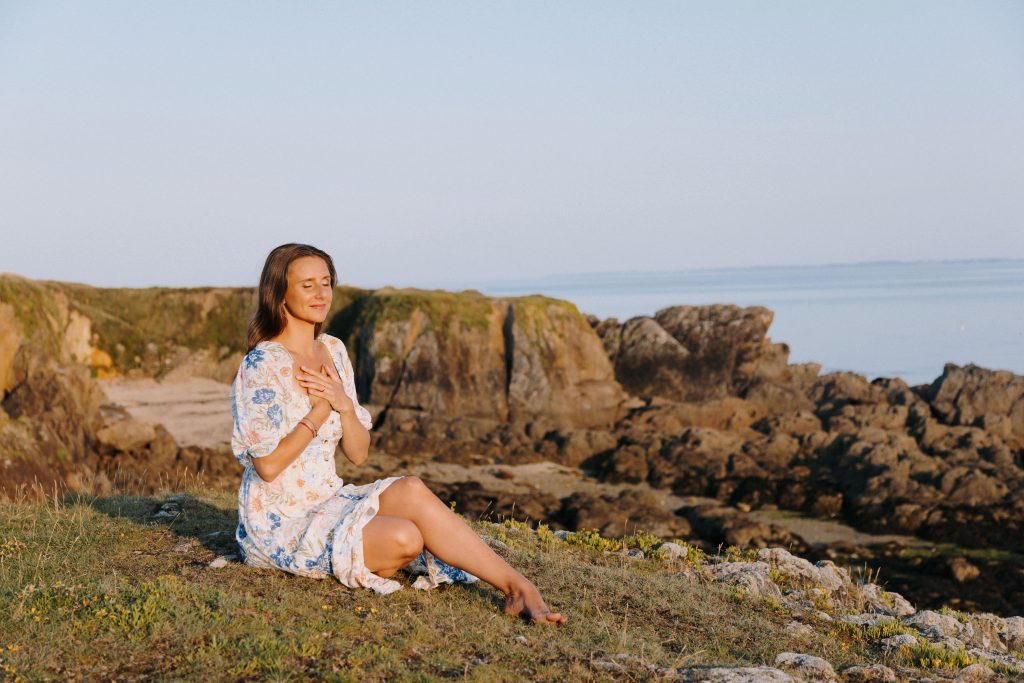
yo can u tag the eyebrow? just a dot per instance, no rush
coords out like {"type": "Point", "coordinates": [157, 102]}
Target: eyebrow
{"type": "Point", "coordinates": [328, 277]}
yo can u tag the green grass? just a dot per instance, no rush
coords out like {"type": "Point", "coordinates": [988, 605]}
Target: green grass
{"type": "Point", "coordinates": [97, 588]}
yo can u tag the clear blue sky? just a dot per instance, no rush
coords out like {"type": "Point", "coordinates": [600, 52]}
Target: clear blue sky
{"type": "Point", "coordinates": [175, 143]}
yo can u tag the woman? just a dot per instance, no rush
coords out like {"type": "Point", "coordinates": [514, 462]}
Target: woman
{"type": "Point", "coordinates": [292, 401]}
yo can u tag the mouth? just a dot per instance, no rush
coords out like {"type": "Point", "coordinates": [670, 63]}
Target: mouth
{"type": "Point", "coordinates": [319, 306]}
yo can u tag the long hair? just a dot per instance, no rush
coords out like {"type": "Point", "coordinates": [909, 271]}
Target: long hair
{"type": "Point", "coordinates": [269, 320]}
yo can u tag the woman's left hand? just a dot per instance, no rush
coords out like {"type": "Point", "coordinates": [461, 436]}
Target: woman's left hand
{"type": "Point", "coordinates": [326, 384]}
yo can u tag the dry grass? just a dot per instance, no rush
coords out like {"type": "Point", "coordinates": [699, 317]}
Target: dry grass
{"type": "Point", "coordinates": [98, 588]}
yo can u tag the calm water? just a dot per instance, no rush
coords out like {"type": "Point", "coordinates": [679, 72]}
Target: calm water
{"type": "Point", "coordinates": [878, 319]}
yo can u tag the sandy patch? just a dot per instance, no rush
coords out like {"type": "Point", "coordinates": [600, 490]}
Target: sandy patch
{"type": "Point", "coordinates": [196, 411]}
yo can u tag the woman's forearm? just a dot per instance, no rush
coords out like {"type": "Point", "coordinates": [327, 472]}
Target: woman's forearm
{"type": "Point", "coordinates": [291, 446]}
{"type": "Point", "coordinates": [355, 440]}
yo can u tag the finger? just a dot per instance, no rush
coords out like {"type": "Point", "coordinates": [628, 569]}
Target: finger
{"type": "Point", "coordinates": [333, 372]}
{"type": "Point", "coordinates": [314, 373]}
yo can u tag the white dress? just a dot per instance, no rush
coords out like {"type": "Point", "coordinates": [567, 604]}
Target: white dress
{"type": "Point", "coordinates": [307, 521]}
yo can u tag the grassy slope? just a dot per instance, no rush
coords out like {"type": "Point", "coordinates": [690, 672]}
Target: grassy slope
{"type": "Point", "coordinates": [99, 588]}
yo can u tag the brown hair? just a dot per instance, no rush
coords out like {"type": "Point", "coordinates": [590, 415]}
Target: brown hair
{"type": "Point", "coordinates": [268, 321]}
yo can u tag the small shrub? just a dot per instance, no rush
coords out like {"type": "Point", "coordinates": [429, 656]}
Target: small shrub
{"type": "Point", "coordinates": [928, 656]}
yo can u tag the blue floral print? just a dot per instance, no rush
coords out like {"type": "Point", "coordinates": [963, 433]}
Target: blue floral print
{"type": "Point", "coordinates": [263, 396]}
{"type": "Point", "coordinates": [274, 415]}
{"type": "Point", "coordinates": [253, 358]}
{"type": "Point", "coordinates": [307, 521]}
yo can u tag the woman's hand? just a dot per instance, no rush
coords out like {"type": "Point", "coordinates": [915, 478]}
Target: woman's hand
{"type": "Point", "coordinates": [324, 384]}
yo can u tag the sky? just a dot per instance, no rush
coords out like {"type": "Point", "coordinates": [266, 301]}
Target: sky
{"type": "Point", "coordinates": [422, 143]}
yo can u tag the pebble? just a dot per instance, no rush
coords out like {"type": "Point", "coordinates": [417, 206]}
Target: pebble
{"type": "Point", "coordinates": [872, 673]}
{"type": "Point", "coordinates": [673, 551]}
{"type": "Point", "coordinates": [222, 561]}
{"type": "Point", "coordinates": [806, 666]}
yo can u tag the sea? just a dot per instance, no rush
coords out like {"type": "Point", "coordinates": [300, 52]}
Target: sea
{"type": "Point", "coordinates": [878, 319]}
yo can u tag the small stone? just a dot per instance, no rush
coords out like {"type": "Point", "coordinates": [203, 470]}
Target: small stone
{"type": "Point", "coordinates": [635, 553]}
{"type": "Point", "coordinates": [975, 673]}
{"type": "Point", "coordinates": [221, 561]}
{"type": "Point", "coordinates": [608, 666]}
{"type": "Point", "coordinates": [752, 577]}
{"type": "Point", "coordinates": [797, 630]}
{"type": "Point", "coordinates": [561, 534]}
{"type": "Point", "coordinates": [674, 551]}
{"type": "Point", "coordinates": [961, 570]}
{"type": "Point", "coordinates": [806, 666]}
{"type": "Point", "coordinates": [897, 641]}
{"type": "Point", "coordinates": [522, 639]}
{"type": "Point", "coordinates": [493, 542]}
{"type": "Point", "coordinates": [872, 673]}
{"type": "Point", "coordinates": [184, 546]}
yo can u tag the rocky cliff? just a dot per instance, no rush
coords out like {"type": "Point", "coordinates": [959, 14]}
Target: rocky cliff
{"type": "Point", "coordinates": [695, 401]}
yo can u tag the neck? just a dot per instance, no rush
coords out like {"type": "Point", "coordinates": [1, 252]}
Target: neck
{"type": "Point", "coordinates": [297, 336]}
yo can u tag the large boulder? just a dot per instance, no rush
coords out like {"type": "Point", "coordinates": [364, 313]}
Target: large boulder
{"type": "Point", "coordinates": [695, 353]}
{"type": "Point", "coordinates": [975, 396]}
{"type": "Point", "coordinates": [467, 354]}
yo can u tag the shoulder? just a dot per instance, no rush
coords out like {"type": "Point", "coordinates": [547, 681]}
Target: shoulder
{"type": "Point", "coordinates": [333, 343]}
{"type": "Point", "coordinates": [264, 354]}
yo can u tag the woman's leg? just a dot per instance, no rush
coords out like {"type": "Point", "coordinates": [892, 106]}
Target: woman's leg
{"type": "Point", "coordinates": [390, 543]}
{"type": "Point", "coordinates": [451, 540]}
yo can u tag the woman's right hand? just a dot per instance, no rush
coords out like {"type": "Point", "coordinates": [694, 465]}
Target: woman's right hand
{"type": "Point", "coordinates": [319, 400]}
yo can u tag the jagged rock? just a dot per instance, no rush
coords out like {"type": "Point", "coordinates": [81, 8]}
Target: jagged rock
{"type": "Point", "coordinates": [975, 396]}
{"type": "Point", "coordinates": [621, 515]}
{"type": "Point", "coordinates": [752, 577]}
{"type": "Point", "coordinates": [985, 631]}
{"type": "Point", "coordinates": [1012, 633]}
{"type": "Point", "coordinates": [932, 624]}
{"type": "Point", "coordinates": [805, 667]}
{"type": "Point", "coordinates": [827, 575]}
{"type": "Point", "coordinates": [975, 673]}
{"type": "Point", "coordinates": [477, 356]}
{"type": "Point", "coordinates": [886, 602]}
{"type": "Point", "coordinates": [719, 524]}
{"type": "Point", "coordinates": [696, 353]}
{"type": "Point", "coordinates": [871, 673]}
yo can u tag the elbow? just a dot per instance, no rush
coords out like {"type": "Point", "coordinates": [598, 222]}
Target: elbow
{"type": "Point", "coordinates": [265, 471]}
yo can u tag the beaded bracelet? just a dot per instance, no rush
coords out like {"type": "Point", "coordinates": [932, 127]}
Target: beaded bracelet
{"type": "Point", "coordinates": [308, 424]}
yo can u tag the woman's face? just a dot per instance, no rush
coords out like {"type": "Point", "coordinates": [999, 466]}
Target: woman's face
{"type": "Point", "coordinates": [309, 292]}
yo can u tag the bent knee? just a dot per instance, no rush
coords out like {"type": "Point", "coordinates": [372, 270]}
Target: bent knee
{"type": "Point", "coordinates": [408, 539]}
{"type": "Point", "coordinates": [411, 485]}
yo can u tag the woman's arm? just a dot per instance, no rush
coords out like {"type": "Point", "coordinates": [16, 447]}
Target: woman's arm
{"type": "Point", "coordinates": [292, 445]}
{"type": "Point", "coordinates": [355, 439]}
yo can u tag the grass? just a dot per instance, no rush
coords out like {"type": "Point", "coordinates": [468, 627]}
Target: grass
{"type": "Point", "coordinates": [98, 588]}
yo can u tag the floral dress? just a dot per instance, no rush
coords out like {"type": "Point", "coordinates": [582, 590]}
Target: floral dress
{"type": "Point", "coordinates": [307, 521]}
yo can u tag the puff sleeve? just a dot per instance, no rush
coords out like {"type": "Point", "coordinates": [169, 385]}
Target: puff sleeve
{"type": "Point", "coordinates": [348, 381]}
{"type": "Point", "coordinates": [258, 407]}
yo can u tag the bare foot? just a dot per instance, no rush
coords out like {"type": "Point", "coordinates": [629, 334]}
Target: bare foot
{"type": "Point", "coordinates": [524, 601]}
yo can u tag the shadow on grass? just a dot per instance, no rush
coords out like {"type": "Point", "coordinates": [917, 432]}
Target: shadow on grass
{"type": "Point", "coordinates": [184, 514]}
